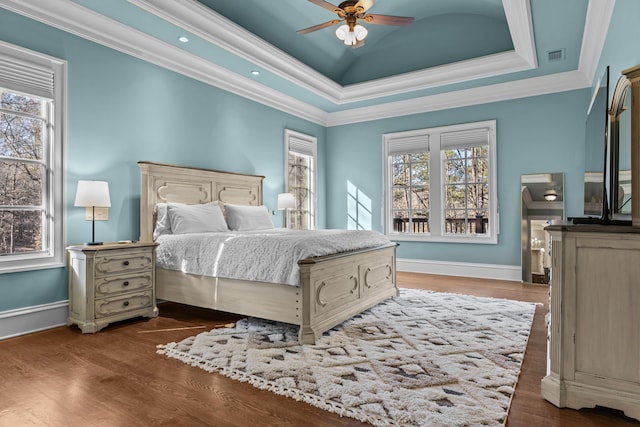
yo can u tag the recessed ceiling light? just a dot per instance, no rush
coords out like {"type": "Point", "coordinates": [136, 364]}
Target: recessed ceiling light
{"type": "Point", "coordinates": [183, 39]}
{"type": "Point", "coordinates": [255, 73]}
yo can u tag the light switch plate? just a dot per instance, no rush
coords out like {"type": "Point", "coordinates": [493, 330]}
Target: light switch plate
{"type": "Point", "coordinates": [102, 214]}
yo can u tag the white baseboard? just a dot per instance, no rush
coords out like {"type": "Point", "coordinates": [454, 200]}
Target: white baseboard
{"type": "Point", "coordinates": [46, 316]}
{"type": "Point", "coordinates": [26, 320]}
{"type": "Point", "coordinates": [463, 269]}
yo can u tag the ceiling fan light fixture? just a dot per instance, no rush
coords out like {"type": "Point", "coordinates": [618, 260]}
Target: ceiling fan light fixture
{"type": "Point", "coordinates": [350, 37]}
{"type": "Point", "coordinates": [550, 195]}
{"type": "Point", "coordinates": [342, 31]}
{"type": "Point", "coordinates": [360, 32]}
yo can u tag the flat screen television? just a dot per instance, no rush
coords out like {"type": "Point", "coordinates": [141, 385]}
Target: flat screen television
{"type": "Point", "coordinates": [596, 176]}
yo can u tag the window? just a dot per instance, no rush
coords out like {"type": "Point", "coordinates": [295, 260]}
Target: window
{"type": "Point", "coordinates": [31, 168]}
{"type": "Point", "coordinates": [441, 184]}
{"type": "Point", "coordinates": [300, 179]}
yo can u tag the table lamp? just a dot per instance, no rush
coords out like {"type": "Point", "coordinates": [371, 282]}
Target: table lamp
{"type": "Point", "coordinates": [93, 194]}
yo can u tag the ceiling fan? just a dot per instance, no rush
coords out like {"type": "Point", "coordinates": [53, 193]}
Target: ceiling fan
{"type": "Point", "coordinates": [350, 12]}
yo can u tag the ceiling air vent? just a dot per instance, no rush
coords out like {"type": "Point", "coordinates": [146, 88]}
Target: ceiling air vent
{"type": "Point", "coordinates": [555, 55]}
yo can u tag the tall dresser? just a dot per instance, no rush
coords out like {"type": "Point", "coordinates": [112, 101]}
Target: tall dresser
{"type": "Point", "coordinates": [109, 283]}
{"type": "Point", "coordinates": [594, 318]}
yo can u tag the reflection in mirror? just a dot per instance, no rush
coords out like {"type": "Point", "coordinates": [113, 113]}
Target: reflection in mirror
{"type": "Point", "coordinates": [542, 202]}
{"type": "Point", "coordinates": [621, 151]}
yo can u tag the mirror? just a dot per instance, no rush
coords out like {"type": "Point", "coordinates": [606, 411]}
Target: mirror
{"type": "Point", "coordinates": [542, 202]}
{"type": "Point", "coordinates": [620, 114]}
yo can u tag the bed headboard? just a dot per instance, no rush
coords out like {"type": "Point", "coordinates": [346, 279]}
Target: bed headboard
{"type": "Point", "coordinates": [170, 183]}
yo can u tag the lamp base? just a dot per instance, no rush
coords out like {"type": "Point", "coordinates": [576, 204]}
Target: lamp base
{"type": "Point", "coordinates": [93, 243]}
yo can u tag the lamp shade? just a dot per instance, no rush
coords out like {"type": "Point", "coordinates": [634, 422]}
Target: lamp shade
{"type": "Point", "coordinates": [342, 31]}
{"type": "Point", "coordinates": [93, 193]}
{"type": "Point", "coordinates": [286, 201]}
{"type": "Point", "coordinates": [360, 32]}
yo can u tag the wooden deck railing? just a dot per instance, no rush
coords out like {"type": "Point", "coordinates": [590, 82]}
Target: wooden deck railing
{"type": "Point", "coordinates": [477, 225]}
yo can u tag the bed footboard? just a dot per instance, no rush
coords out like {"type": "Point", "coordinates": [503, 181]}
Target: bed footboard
{"type": "Point", "coordinates": [335, 288]}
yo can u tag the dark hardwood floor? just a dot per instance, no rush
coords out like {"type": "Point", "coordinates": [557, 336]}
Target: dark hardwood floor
{"type": "Point", "coordinates": [60, 377]}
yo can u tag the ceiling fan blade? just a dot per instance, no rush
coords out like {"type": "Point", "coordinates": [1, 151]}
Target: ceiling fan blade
{"type": "Point", "coordinates": [359, 43]}
{"type": "Point", "coordinates": [388, 20]}
{"type": "Point", "coordinates": [326, 5]}
{"type": "Point", "coordinates": [319, 26]}
{"type": "Point", "coordinates": [365, 4]}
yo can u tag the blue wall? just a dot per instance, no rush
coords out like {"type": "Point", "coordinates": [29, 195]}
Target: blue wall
{"type": "Point", "coordinates": [122, 110]}
{"type": "Point", "coordinates": [537, 134]}
{"type": "Point", "coordinates": [534, 135]}
{"type": "Point", "coordinates": [621, 49]}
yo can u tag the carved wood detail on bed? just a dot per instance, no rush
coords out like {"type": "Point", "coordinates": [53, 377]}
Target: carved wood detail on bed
{"type": "Point", "coordinates": [332, 289]}
{"type": "Point", "coordinates": [163, 183]}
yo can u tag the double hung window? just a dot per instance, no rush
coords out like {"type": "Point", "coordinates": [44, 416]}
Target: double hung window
{"type": "Point", "coordinates": [31, 168]}
{"type": "Point", "coordinates": [440, 184]}
{"type": "Point", "coordinates": [300, 179]}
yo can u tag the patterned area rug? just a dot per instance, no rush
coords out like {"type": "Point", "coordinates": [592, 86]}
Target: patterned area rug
{"type": "Point", "coordinates": [420, 359]}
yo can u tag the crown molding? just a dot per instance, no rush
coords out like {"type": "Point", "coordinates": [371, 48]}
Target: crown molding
{"type": "Point", "coordinates": [73, 18]}
{"type": "Point", "coordinates": [83, 22]}
{"type": "Point", "coordinates": [215, 28]}
{"type": "Point", "coordinates": [596, 26]}
{"type": "Point", "coordinates": [209, 25]}
{"type": "Point", "coordinates": [487, 66]}
{"type": "Point", "coordinates": [518, 15]}
{"type": "Point", "coordinates": [535, 86]}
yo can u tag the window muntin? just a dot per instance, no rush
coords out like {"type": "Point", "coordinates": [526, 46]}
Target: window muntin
{"type": "Point", "coordinates": [300, 178]}
{"type": "Point", "coordinates": [31, 160]}
{"type": "Point", "coordinates": [410, 192]}
{"type": "Point", "coordinates": [23, 127]}
{"type": "Point", "coordinates": [466, 190]}
{"type": "Point", "coordinates": [441, 184]}
{"type": "Point", "coordinates": [300, 184]}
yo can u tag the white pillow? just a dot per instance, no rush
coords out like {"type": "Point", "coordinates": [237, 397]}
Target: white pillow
{"type": "Point", "coordinates": [248, 218]}
{"type": "Point", "coordinates": [163, 226]}
{"type": "Point", "coordinates": [206, 218]}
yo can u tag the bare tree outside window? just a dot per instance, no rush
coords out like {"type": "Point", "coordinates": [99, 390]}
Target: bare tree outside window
{"type": "Point", "coordinates": [300, 185]}
{"type": "Point", "coordinates": [466, 190]}
{"type": "Point", "coordinates": [410, 187]}
{"type": "Point", "coordinates": [23, 126]}
{"type": "Point", "coordinates": [440, 184]}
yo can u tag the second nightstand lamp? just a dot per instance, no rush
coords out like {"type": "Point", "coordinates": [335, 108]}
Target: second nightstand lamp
{"type": "Point", "coordinates": [93, 194]}
{"type": "Point", "coordinates": [286, 202]}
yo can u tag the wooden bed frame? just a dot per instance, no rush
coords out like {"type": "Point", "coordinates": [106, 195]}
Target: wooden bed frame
{"type": "Point", "coordinates": [332, 288]}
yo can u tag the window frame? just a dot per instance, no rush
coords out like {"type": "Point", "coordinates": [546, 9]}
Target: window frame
{"type": "Point", "coordinates": [433, 145]}
{"type": "Point", "coordinates": [53, 191]}
{"type": "Point", "coordinates": [303, 144]}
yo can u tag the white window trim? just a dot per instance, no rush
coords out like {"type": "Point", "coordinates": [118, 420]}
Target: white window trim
{"type": "Point", "coordinates": [55, 179]}
{"type": "Point", "coordinates": [436, 196]}
{"type": "Point", "coordinates": [309, 145]}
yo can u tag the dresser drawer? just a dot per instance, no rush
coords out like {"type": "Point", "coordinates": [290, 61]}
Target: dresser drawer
{"type": "Point", "coordinates": [110, 285]}
{"type": "Point", "coordinates": [124, 303]}
{"type": "Point", "coordinates": [123, 262]}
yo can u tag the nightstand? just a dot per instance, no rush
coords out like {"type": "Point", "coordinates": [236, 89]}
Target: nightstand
{"type": "Point", "coordinates": [111, 282]}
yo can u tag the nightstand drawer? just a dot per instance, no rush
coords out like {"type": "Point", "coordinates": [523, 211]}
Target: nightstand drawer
{"type": "Point", "coordinates": [123, 262]}
{"type": "Point", "coordinates": [111, 282]}
{"type": "Point", "coordinates": [110, 285]}
{"type": "Point", "coordinates": [121, 304]}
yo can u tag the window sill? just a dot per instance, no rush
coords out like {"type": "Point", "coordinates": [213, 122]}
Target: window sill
{"type": "Point", "coordinates": [483, 240]}
{"type": "Point", "coordinates": [17, 267]}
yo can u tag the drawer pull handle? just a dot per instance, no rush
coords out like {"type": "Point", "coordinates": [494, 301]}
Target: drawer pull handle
{"type": "Point", "coordinates": [125, 283]}
{"type": "Point", "coordinates": [126, 263]}
{"type": "Point", "coordinates": [126, 303]}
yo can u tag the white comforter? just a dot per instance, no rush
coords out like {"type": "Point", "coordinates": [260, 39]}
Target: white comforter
{"type": "Point", "coordinates": [265, 256]}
